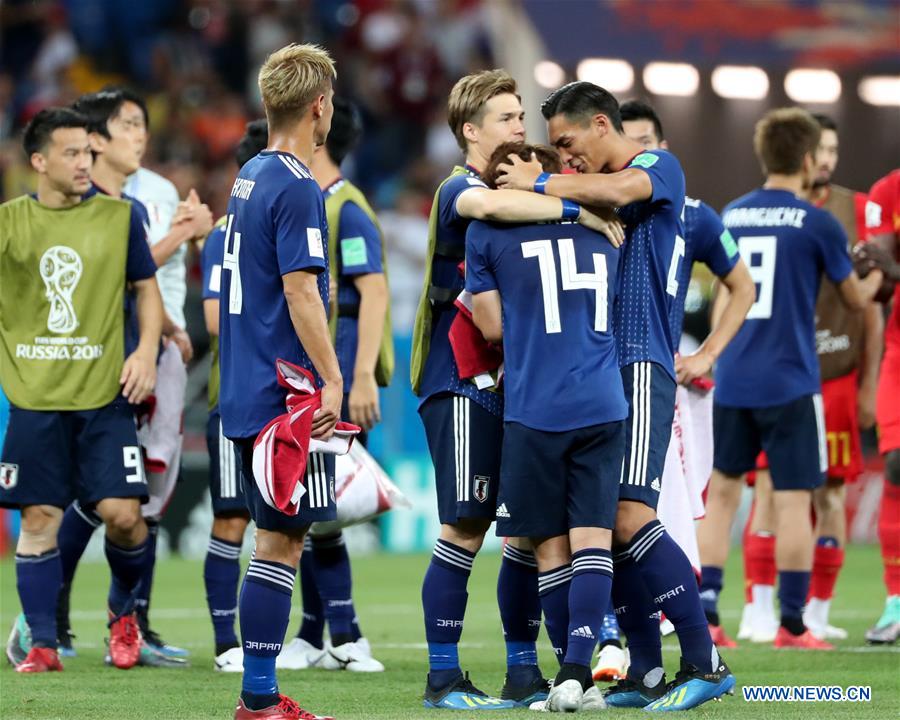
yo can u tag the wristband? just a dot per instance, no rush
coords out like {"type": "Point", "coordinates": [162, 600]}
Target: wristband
{"type": "Point", "coordinates": [570, 210]}
{"type": "Point", "coordinates": [540, 183]}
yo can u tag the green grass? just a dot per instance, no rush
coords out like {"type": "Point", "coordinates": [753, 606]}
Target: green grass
{"type": "Point", "coordinates": [387, 599]}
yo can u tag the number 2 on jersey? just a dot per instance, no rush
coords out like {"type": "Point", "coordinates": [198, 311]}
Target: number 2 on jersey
{"type": "Point", "coordinates": [571, 280]}
{"type": "Point", "coordinates": [230, 263]}
{"type": "Point", "coordinates": [762, 271]}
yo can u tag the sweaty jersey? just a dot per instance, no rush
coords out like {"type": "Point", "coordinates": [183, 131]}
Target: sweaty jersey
{"type": "Point", "coordinates": [557, 284]}
{"type": "Point", "coordinates": [706, 240]}
{"type": "Point", "coordinates": [787, 244]}
{"type": "Point", "coordinates": [653, 251]}
{"type": "Point", "coordinates": [883, 218]}
{"type": "Point", "coordinates": [275, 225]}
{"type": "Point", "coordinates": [440, 373]}
{"type": "Point", "coordinates": [211, 268]}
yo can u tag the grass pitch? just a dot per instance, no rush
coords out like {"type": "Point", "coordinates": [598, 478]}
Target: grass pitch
{"type": "Point", "coordinates": [386, 590]}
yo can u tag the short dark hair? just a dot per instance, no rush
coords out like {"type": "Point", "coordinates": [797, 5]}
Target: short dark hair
{"type": "Point", "coordinates": [255, 139]}
{"type": "Point", "coordinates": [826, 122]}
{"type": "Point", "coordinates": [783, 137]}
{"type": "Point", "coordinates": [580, 100]}
{"type": "Point", "coordinates": [639, 110]}
{"type": "Point", "coordinates": [99, 108]}
{"type": "Point", "coordinates": [547, 156]}
{"type": "Point", "coordinates": [346, 129]}
{"type": "Point", "coordinates": [42, 125]}
{"type": "Point", "coordinates": [130, 95]}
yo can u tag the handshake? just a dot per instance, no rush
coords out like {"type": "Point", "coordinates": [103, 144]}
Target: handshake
{"type": "Point", "coordinates": [868, 257]}
{"type": "Point", "coordinates": [194, 215]}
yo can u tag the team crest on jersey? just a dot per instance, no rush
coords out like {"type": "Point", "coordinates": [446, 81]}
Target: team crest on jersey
{"type": "Point", "coordinates": [9, 476]}
{"type": "Point", "coordinates": [60, 269]}
{"type": "Point", "coordinates": [482, 484]}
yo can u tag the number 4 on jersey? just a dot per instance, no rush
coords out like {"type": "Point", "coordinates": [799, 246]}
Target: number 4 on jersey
{"type": "Point", "coordinates": [230, 263]}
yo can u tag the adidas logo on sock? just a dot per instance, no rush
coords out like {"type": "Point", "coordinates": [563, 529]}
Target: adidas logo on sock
{"type": "Point", "coordinates": [502, 512]}
{"type": "Point", "coordinates": [583, 632]}
{"type": "Point", "coordinates": [656, 485]}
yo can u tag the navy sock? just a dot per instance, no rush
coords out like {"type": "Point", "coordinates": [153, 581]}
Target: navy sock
{"type": "Point", "coordinates": [793, 586]}
{"type": "Point", "coordinates": [444, 599]}
{"type": "Point", "coordinates": [145, 586]}
{"type": "Point", "coordinates": [520, 612]}
{"type": "Point", "coordinates": [75, 533]}
{"type": "Point", "coordinates": [589, 593]}
{"type": "Point", "coordinates": [637, 616]}
{"type": "Point", "coordinates": [126, 567]}
{"type": "Point", "coordinates": [331, 564]}
{"type": "Point", "coordinates": [609, 631]}
{"type": "Point", "coordinates": [264, 612]}
{"type": "Point", "coordinates": [670, 579]}
{"type": "Point", "coordinates": [710, 587]}
{"type": "Point", "coordinates": [38, 579]}
{"type": "Point", "coordinates": [554, 593]}
{"type": "Point", "coordinates": [221, 572]}
{"type": "Point", "coordinates": [312, 627]}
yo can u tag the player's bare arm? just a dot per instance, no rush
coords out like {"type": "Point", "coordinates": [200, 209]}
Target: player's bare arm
{"type": "Point", "coordinates": [373, 300]}
{"type": "Point", "coordinates": [873, 345]}
{"type": "Point", "coordinates": [487, 315]}
{"type": "Point", "coordinates": [211, 317]}
{"type": "Point", "coordinates": [173, 333]}
{"type": "Point", "coordinates": [308, 316]}
{"type": "Point", "coordinates": [878, 253]}
{"type": "Point", "coordinates": [741, 294]}
{"type": "Point", "coordinates": [139, 371]}
{"type": "Point", "coordinates": [193, 219]}
{"type": "Point", "coordinates": [856, 294]}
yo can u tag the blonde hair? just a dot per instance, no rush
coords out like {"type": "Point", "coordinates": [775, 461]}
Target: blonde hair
{"type": "Point", "coordinates": [291, 79]}
{"type": "Point", "coordinates": [469, 96]}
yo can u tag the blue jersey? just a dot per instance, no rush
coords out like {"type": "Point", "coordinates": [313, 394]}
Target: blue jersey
{"type": "Point", "coordinates": [654, 248]}
{"type": "Point", "coordinates": [211, 262]}
{"type": "Point", "coordinates": [557, 284]}
{"type": "Point", "coordinates": [440, 373]}
{"type": "Point", "coordinates": [358, 253]}
{"type": "Point", "coordinates": [270, 231]}
{"type": "Point", "coordinates": [787, 244]}
{"type": "Point", "coordinates": [706, 240]}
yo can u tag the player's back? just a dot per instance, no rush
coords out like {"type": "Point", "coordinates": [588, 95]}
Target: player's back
{"type": "Point", "coordinates": [274, 225]}
{"type": "Point", "coordinates": [557, 283]}
{"type": "Point", "coordinates": [787, 244]}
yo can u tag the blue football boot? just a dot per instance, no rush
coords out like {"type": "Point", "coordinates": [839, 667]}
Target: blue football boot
{"type": "Point", "coordinates": [461, 694]}
{"type": "Point", "coordinates": [692, 687]}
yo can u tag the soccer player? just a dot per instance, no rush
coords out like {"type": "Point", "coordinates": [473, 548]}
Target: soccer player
{"type": "Point", "coordinates": [705, 240]}
{"type": "Point", "coordinates": [68, 255]}
{"type": "Point", "coordinates": [883, 228]}
{"type": "Point", "coordinates": [767, 380]}
{"type": "Point", "coordinates": [652, 573]}
{"type": "Point", "coordinates": [274, 294]}
{"type": "Point", "coordinates": [463, 421]}
{"type": "Point", "coordinates": [546, 290]}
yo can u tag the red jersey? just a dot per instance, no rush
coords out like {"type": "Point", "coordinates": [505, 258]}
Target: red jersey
{"type": "Point", "coordinates": [883, 218]}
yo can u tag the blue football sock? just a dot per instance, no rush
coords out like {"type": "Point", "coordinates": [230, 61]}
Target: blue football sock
{"type": "Point", "coordinates": [670, 579]}
{"type": "Point", "coordinates": [38, 579]}
{"type": "Point", "coordinates": [520, 612]}
{"type": "Point", "coordinates": [609, 631]}
{"type": "Point", "coordinates": [637, 616]}
{"type": "Point", "coordinates": [75, 533]}
{"type": "Point", "coordinates": [793, 586]}
{"type": "Point", "coordinates": [444, 599]}
{"type": "Point", "coordinates": [553, 587]}
{"type": "Point", "coordinates": [221, 572]}
{"type": "Point", "coordinates": [331, 564]}
{"type": "Point", "coordinates": [589, 593]}
{"type": "Point", "coordinates": [710, 587]}
{"type": "Point", "coordinates": [312, 627]}
{"type": "Point", "coordinates": [126, 566]}
{"type": "Point", "coordinates": [264, 612]}
{"type": "Point", "coordinates": [145, 586]}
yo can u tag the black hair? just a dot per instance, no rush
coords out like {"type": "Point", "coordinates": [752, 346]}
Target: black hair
{"type": "Point", "coordinates": [99, 108]}
{"type": "Point", "coordinates": [639, 110]}
{"type": "Point", "coordinates": [826, 122]}
{"type": "Point", "coordinates": [129, 95]}
{"type": "Point", "coordinates": [582, 99]}
{"type": "Point", "coordinates": [255, 139]}
{"type": "Point", "coordinates": [346, 129]}
{"type": "Point", "coordinates": [42, 125]}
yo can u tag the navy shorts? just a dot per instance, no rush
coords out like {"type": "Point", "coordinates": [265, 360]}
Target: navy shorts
{"type": "Point", "coordinates": [650, 392]}
{"type": "Point", "coordinates": [225, 487]}
{"type": "Point", "coordinates": [551, 482]}
{"type": "Point", "coordinates": [317, 504]}
{"type": "Point", "coordinates": [465, 443]}
{"type": "Point", "coordinates": [53, 458]}
{"type": "Point", "coordinates": [793, 436]}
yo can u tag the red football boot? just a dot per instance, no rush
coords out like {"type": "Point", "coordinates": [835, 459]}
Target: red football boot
{"type": "Point", "coordinates": [806, 641]}
{"type": "Point", "coordinates": [719, 638]}
{"type": "Point", "coordinates": [40, 659]}
{"type": "Point", "coordinates": [124, 641]}
{"type": "Point", "coordinates": [286, 709]}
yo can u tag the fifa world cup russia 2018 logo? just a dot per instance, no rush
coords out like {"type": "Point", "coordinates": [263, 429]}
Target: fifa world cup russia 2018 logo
{"type": "Point", "coordinates": [61, 270]}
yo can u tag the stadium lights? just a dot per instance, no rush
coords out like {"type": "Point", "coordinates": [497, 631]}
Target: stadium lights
{"type": "Point", "coordinates": [614, 75]}
{"type": "Point", "coordinates": [883, 90]}
{"type": "Point", "coordinates": [662, 78]}
{"type": "Point", "coordinates": [812, 86]}
{"type": "Point", "coordinates": [549, 74]}
{"type": "Point", "coordinates": [740, 82]}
